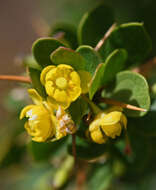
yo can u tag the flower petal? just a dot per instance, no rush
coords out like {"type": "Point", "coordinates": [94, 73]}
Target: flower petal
{"type": "Point", "coordinates": [55, 104]}
{"type": "Point", "coordinates": [49, 88]}
{"type": "Point", "coordinates": [111, 118]}
{"type": "Point", "coordinates": [25, 110]}
{"type": "Point", "coordinates": [44, 73]}
{"type": "Point", "coordinates": [36, 98]}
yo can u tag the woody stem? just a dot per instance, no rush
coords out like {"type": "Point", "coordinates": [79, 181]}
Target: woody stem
{"type": "Point", "coordinates": [15, 78]}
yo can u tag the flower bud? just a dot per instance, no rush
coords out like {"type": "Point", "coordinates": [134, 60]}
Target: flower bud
{"type": "Point", "coordinates": [107, 124]}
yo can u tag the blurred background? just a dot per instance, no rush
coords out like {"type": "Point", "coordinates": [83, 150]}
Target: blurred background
{"type": "Point", "coordinates": [21, 23]}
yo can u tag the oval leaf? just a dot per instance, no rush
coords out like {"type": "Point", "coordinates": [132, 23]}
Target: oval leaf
{"type": "Point", "coordinates": [67, 56]}
{"type": "Point", "coordinates": [106, 71]}
{"type": "Point", "coordinates": [132, 37]}
{"type": "Point", "coordinates": [94, 25]}
{"type": "Point", "coordinates": [131, 88]}
{"type": "Point", "coordinates": [78, 109]}
{"type": "Point", "coordinates": [66, 33]}
{"type": "Point", "coordinates": [42, 48]}
{"type": "Point", "coordinates": [91, 56]}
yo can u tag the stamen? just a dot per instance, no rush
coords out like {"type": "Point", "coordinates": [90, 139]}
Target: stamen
{"type": "Point", "coordinates": [29, 113]}
{"type": "Point", "coordinates": [33, 118]}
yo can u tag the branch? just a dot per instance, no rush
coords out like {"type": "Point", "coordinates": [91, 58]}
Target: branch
{"type": "Point", "coordinates": [121, 104]}
{"type": "Point", "coordinates": [101, 42]}
{"type": "Point", "coordinates": [15, 78]}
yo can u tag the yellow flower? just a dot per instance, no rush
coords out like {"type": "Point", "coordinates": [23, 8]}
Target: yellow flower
{"type": "Point", "coordinates": [41, 123]}
{"type": "Point", "coordinates": [107, 124]}
{"type": "Point", "coordinates": [63, 84]}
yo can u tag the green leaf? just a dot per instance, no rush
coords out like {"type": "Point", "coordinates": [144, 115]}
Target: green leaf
{"type": "Point", "coordinates": [78, 109]}
{"type": "Point", "coordinates": [100, 177]}
{"type": "Point", "coordinates": [30, 62]}
{"type": "Point", "coordinates": [132, 37]}
{"type": "Point", "coordinates": [42, 48]}
{"type": "Point", "coordinates": [43, 151]}
{"type": "Point", "coordinates": [146, 125]}
{"type": "Point", "coordinates": [67, 56]}
{"type": "Point", "coordinates": [141, 150]}
{"type": "Point", "coordinates": [67, 34]}
{"type": "Point", "coordinates": [105, 72]}
{"type": "Point", "coordinates": [131, 88]}
{"type": "Point", "coordinates": [35, 78]}
{"type": "Point", "coordinates": [91, 56]}
{"type": "Point", "coordinates": [85, 150]}
{"type": "Point", "coordinates": [94, 25]}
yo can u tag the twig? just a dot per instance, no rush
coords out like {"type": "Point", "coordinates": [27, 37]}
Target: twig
{"type": "Point", "coordinates": [101, 42]}
{"type": "Point", "coordinates": [15, 78]}
{"type": "Point", "coordinates": [121, 104]}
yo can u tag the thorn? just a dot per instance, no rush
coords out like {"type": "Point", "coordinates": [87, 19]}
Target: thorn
{"type": "Point", "coordinates": [101, 42]}
{"type": "Point", "coordinates": [121, 104]}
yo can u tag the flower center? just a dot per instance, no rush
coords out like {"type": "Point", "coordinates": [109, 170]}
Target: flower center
{"type": "Point", "coordinates": [61, 82]}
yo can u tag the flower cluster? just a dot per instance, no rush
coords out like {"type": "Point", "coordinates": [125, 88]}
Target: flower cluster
{"type": "Point", "coordinates": [48, 119]}
{"type": "Point", "coordinates": [42, 124]}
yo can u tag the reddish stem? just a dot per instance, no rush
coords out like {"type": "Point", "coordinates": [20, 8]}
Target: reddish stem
{"type": "Point", "coordinates": [15, 78]}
